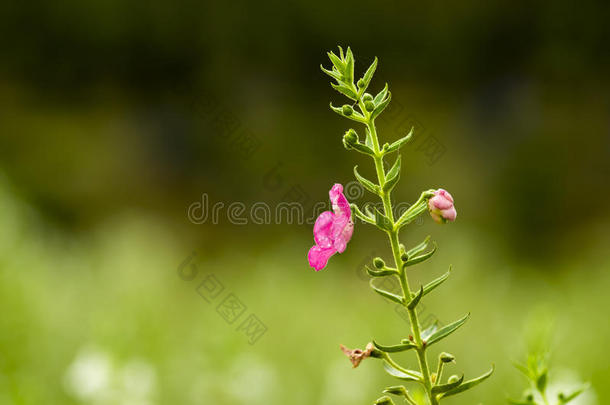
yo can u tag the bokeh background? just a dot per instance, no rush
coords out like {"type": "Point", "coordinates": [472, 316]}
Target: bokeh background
{"type": "Point", "coordinates": [117, 116]}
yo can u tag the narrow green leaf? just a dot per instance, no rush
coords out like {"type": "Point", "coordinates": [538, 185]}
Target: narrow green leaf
{"type": "Point", "coordinates": [362, 148]}
{"type": "Point", "coordinates": [382, 221]}
{"type": "Point", "coordinates": [421, 258]}
{"type": "Point", "coordinates": [564, 399]}
{"type": "Point", "coordinates": [386, 294]}
{"type": "Point", "coordinates": [369, 139]}
{"type": "Point", "coordinates": [468, 384]}
{"type": "Point", "coordinates": [385, 400]}
{"type": "Point", "coordinates": [380, 273]}
{"type": "Point", "coordinates": [415, 300]}
{"type": "Point", "coordinates": [392, 176]}
{"type": "Point", "coordinates": [368, 75]}
{"type": "Point", "coordinates": [369, 185]}
{"type": "Point", "coordinates": [542, 380]}
{"type": "Point", "coordinates": [439, 389]}
{"type": "Point", "coordinates": [381, 95]}
{"type": "Point", "coordinates": [345, 90]}
{"type": "Point", "coordinates": [349, 66]}
{"type": "Point", "coordinates": [337, 62]}
{"type": "Point", "coordinates": [394, 171]}
{"type": "Point", "coordinates": [446, 331]}
{"type": "Point", "coordinates": [403, 347]}
{"type": "Point", "coordinates": [435, 283]}
{"type": "Point", "coordinates": [523, 369]}
{"type": "Point", "coordinates": [356, 116]}
{"type": "Point", "coordinates": [395, 389]}
{"type": "Point", "coordinates": [429, 331]}
{"type": "Point", "coordinates": [412, 376]}
{"type": "Point", "coordinates": [332, 73]}
{"type": "Point", "coordinates": [399, 143]}
{"type": "Point", "coordinates": [379, 109]}
{"type": "Point", "coordinates": [359, 214]}
{"type": "Point", "coordinates": [419, 248]}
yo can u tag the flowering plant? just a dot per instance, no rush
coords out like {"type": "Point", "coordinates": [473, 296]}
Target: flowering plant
{"type": "Point", "coordinates": [333, 230]}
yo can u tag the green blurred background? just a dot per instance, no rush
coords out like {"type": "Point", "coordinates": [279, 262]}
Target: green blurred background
{"type": "Point", "coordinates": [117, 116]}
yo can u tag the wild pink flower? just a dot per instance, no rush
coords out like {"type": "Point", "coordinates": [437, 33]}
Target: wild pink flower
{"type": "Point", "coordinates": [441, 207]}
{"type": "Point", "coordinates": [332, 230]}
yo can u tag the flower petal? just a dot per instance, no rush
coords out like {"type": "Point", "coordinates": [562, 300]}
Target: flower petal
{"type": "Point", "coordinates": [340, 204]}
{"type": "Point", "coordinates": [318, 257]}
{"type": "Point", "coordinates": [342, 230]}
{"type": "Point", "coordinates": [322, 229]}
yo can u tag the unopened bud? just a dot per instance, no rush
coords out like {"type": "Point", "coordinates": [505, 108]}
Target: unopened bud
{"type": "Point", "coordinates": [446, 357]}
{"type": "Point", "coordinates": [350, 139]}
{"type": "Point", "coordinates": [384, 401]}
{"type": "Point", "coordinates": [453, 378]}
{"type": "Point", "coordinates": [361, 83]}
{"type": "Point", "coordinates": [367, 97]}
{"type": "Point", "coordinates": [441, 207]}
{"type": "Point", "coordinates": [369, 106]}
{"type": "Point", "coordinates": [378, 263]}
{"type": "Point", "coordinates": [348, 110]}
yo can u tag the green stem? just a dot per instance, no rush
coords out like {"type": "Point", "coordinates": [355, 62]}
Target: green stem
{"type": "Point", "coordinates": [394, 241]}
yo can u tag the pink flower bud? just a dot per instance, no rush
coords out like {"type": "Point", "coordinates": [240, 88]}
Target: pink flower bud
{"type": "Point", "coordinates": [441, 207]}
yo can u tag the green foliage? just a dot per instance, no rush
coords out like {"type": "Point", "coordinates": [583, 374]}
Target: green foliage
{"type": "Point", "coordinates": [536, 371]}
{"type": "Point", "coordinates": [365, 109]}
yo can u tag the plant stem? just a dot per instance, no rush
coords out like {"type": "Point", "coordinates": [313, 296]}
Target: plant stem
{"type": "Point", "coordinates": [394, 241]}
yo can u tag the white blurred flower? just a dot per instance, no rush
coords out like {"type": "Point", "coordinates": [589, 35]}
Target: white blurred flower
{"type": "Point", "coordinates": [94, 378]}
{"type": "Point", "coordinates": [568, 381]}
{"type": "Point", "coordinates": [89, 375]}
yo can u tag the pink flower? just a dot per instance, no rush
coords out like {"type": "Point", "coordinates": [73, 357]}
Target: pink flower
{"type": "Point", "coordinates": [332, 230]}
{"type": "Point", "coordinates": [441, 207]}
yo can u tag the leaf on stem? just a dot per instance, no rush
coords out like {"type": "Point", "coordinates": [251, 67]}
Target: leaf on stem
{"type": "Point", "coordinates": [421, 258]}
{"type": "Point", "coordinates": [399, 143]}
{"type": "Point", "coordinates": [379, 109]}
{"type": "Point", "coordinates": [446, 331]}
{"type": "Point", "coordinates": [392, 176]}
{"type": "Point", "coordinates": [381, 95]}
{"type": "Point", "coordinates": [419, 248]}
{"type": "Point", "coordinates": [403, 347]}
{"type": "Point", "coordinates": [382, 221]}
{"type": "Point", "coordinates": [394, 372]}
{"type": "Point", "coordinates": [435, 283]}
{"type": "Point", "coordinates": [359, 214]}
{"type": "Point", "coordinates": [380, 273]}
{"type": "Point", "coordinates": [349, 66]}
{"type": "Point", "coordinates": [400, 391]}
{"type": "Point", "coordinates": [369, 185]}
{"type": "Point", "coordinates": [334, 73]}
{"type": "Point", "coordinates": [385, 400]}
{"type": "Point", "coordinates": [565, 398]}
{"type": "Point", "coordinates": [345, 90]}
{"type": "Point", "coordinates": [386, 294]}
{"type": "Point", "coordinates": [354, 116]}
{"type": "Point", "coordinates": [439, 389]}
{"type": "Point", "coordinates": [415, 300]}
{"type": "Point", "coordinates": [468, 384]}
{"type": "Point", "coordinates": [336, 61]}
{"type": "Point", "coordinates": [368, 75]}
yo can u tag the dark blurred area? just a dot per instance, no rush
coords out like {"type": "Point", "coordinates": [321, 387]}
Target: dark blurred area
{"type": "Point", "coordinates": [117, 116]}
{"type": "Point", "coordinates": [115, 104]}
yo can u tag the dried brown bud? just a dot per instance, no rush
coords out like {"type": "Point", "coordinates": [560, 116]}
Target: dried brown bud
{"type": "Point", "coordinates": [357, 355]}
